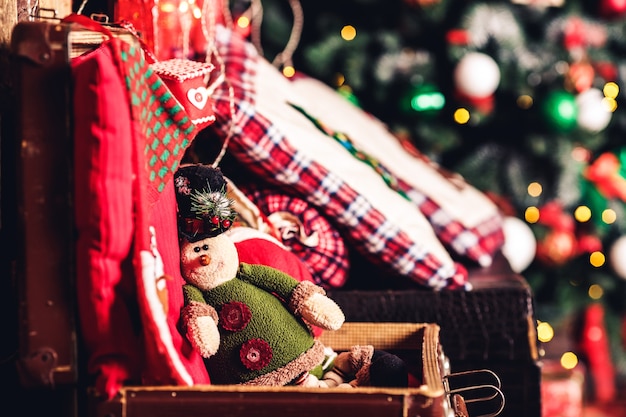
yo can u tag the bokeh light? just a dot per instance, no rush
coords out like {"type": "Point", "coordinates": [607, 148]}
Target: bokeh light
{"type": "Point", "coordinates": [461, 116]}
{"type": "Point", "coordinates": [569, 360]}
{"type": "Point", "coordinates": [595, 292]}
{"type": "Point", "coordinates": [545, 332]}
{"type": "Point", "coordinates": [535, 189]}
{"type": "Point", "coordinates": [532, 214]}
{"type": "Point", "coordinates": [348, 32]}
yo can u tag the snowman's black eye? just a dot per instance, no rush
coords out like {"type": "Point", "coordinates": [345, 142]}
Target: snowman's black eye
{"type": "Point", "coordinates": [196, 249]}
{"type": "Point", "coordinates": [205, 247]}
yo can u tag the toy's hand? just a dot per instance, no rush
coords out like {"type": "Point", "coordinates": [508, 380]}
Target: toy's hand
{"type": "Point", "coordinates": [201, 323]}
{"type": "Point", "coordinates": [321, 311]}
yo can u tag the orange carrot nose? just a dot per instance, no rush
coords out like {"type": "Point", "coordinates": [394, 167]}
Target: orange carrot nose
{"type": "Point", "coordinates": [205, 260]}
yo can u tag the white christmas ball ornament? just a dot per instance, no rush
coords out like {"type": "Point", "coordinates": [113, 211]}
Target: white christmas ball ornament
{"type": "Point", "coordinates": [520, 245]}
{"type": "Point", "coordinates": [593, 114]}
{"type": "Point", "coordinates": [477, 75]}
{"type": "Point", "coordinates": [617, 257]}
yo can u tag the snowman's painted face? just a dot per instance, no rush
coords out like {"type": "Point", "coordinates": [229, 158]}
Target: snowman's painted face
{"type": "Point", "coordinates": [209, 262]}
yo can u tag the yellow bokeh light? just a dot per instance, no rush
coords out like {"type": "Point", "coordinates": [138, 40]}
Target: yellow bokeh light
{"type": "Point", "coordinates": [348, 32]}
{"type": "Point", "coordinates": [534, 189]}
{"type": "Point", "coordinates": [532, 214]}
{"type": "Point", "coordinates": [611, 90]}
{"type": "Point", "coordinates": [167, 7]}
{"type": "Point", "coordinates": [243, 22]}
{"type": "Point", "coordinates": [609, 216]}
{"type": "Point", "coordinates": [595, 292]}
{"type": "Point", "coordinates": [582, 214]}
{"type": "Point", "coordinates": [461, 116]}
{"type": "Point", "coordinates": [569, 360]}
{"type": "Point", "coordinates": [524, 101]}
{"type": "Point", "coordinates": [289, 71]}
{"type": "Point", "coordinates": [339, 79]}
{"type": "Point", "coordinates": [610, 104]}
{"type": "Point", "coordinates": [183, 7]}
{"type": "Point", "coordinates": [197, 12]}
{"type": "Point", "coordinates": [597, 259]}
{"type": "Point", "coordinates": [545, 332]}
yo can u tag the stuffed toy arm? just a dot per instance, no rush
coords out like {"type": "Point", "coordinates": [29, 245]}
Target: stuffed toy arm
{"type": "Point", "coordinates": [305, 299]}
{"type": "Point", "coordinates": [310, 302]}
{"type": "Point", "coordinates": [200, 324]}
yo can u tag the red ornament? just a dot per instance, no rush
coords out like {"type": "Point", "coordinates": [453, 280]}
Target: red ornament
{"type": "Point", "coordinates": [580, 76]}
{"type": "Point", "coordinates": [459, 37]}
{"type": "Point", "coordinates": [226, 223]}
{"type": "Point", "coordinates": [580, 34]}
{"type": "Point", "coordinates": [594, 344]}
{"type": "Point", "coordinates": [604, 173]}
{"type": "Point", "coordinates": [553, 216]}
{"type": "Point", "coordinates": [557, 248]}
{"type": "Point", "coordinates": [215, 220]}
{"type": "Point", "coordinates": [255, 354]}
{"type": "Point", "coordinates": [607, 70]}
{"type": "Point", "coordinates": [485, 105]}
{"type": "Point", "coordinates": [574, 34]}
{"type": "Point", "coordinates": [589, 244]}
{"type": "Point", "coordinates": [612, 8]}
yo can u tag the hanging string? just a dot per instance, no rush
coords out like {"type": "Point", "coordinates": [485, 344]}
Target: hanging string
{"type": "Point", "coordinates": [209, 20]}
{"type": "Point", "coordinates": [228, 18]}
{"type": "Point", "coordinates": [185, 19]}
{"type": "Point", "coordinates": [256, 20]}
{"type": "Point", "coordinates": [255, 14]}
{"type": "Point", "coordinates": [284, 58]}
{"type": "Point", "coordinates": [82, 7]}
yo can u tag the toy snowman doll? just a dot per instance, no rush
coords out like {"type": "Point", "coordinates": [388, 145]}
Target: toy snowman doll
{"type": "Point", "coordinates": [249, 322]}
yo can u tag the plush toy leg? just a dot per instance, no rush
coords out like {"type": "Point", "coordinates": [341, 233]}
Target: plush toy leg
{"type": "Point", "coordinates": [364, 366]}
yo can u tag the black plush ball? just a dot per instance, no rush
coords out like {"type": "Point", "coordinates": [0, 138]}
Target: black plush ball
{"type": "Point", "coordinates": [388, 370]}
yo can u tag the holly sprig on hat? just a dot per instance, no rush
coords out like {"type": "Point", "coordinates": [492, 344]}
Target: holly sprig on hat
{"type": "Point", "coordinates": [214, 207]}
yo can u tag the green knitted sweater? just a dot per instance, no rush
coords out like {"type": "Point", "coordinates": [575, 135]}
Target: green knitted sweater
{"type": "Point", "coordinates": [258, 332]}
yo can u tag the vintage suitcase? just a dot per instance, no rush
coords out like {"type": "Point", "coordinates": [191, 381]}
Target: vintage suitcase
{"type": "Point", "coordinates": [45, 373]}
{"type": "Point", "coordinates": [37, 221]}
{"type": "Point", "coordinates": [417, 343]}
{"type": "Point", "coordinates": [492, 326]}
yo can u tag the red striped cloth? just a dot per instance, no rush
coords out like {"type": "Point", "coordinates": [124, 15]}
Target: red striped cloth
{"type": "Point", "coordinates": [308, 234]}
{"type": "Point", "coordinates": [266, 151]}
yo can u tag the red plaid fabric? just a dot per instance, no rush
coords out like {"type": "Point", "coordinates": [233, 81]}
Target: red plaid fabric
{"type": "Point", "coordinates": [478, 243]}
{"type": "Point", "coordinates": [259, 145]}
{"type": "Point", "coordinates": [327, 256]}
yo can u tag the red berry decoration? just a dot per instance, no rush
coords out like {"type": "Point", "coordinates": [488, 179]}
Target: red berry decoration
{"type": "Point", "coordinates": [226, 223]}
{"type": "Point", "coordinates": [215, 220]}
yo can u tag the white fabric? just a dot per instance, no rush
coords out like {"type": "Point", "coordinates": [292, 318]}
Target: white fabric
{"type": "Point", "coordinates": [274, 93]}
{"type": "Point", "coordinates": [465, 203]}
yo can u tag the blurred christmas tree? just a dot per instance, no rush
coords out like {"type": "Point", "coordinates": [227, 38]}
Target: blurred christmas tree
{"type": "Point", "coordinates": [521, 97]}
